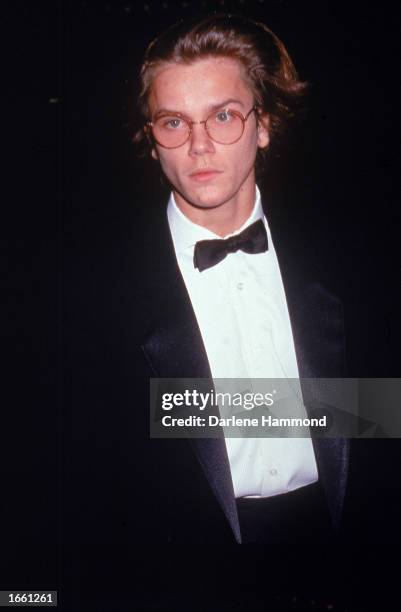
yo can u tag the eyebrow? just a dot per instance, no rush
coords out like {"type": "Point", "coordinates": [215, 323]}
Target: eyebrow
{"type": "Point", "coordinates": [209, 109]}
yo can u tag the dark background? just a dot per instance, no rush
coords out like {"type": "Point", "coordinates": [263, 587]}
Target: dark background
{"type": "Point", "coordinates": [74, 181]}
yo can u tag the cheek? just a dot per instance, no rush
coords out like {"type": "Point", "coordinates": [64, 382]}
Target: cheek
{"type": "Point", "coordinates": [169, 163]}
{"type": "Point", "coordinates": [244, 156]}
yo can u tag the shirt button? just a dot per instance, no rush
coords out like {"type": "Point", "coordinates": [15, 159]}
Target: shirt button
{"type": "Point", "coordinates": [240, 286]}
{"type": "Point", "coordinates": [273, 472]}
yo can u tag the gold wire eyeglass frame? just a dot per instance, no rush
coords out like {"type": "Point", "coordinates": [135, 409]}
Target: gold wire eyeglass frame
{"type": "Point", "coordinates": [190, 123]}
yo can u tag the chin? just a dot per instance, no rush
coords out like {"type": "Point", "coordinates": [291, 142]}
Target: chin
{"type": "Point", "coordinates": [205, 199]}
{"type": "Point", "coordinates": [207, 204]}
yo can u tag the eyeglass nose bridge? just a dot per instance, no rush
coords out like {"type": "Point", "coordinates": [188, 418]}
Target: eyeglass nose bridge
{"type": "Point", "coordinates": [192, 123]}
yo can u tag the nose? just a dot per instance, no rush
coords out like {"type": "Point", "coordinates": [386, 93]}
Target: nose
{"type": "Point", "coordinates": [200, 141]}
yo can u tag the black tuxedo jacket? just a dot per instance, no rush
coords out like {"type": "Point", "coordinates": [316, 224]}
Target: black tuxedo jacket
{"type": "Point", "coordinates": [173, 347]}
{"type": "Point", "coordinates": [128, 317]}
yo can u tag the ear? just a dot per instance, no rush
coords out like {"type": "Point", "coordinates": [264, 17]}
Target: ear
{"type": "Point", "coordinates": [154, 153]}
{"type": "Point", "coordinates": [263, 131]}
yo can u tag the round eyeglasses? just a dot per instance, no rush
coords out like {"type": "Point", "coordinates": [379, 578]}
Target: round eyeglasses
{"type": "Point", "coordinates": [223, 126]}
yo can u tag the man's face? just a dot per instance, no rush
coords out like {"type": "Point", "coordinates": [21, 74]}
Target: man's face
{"type": "Point", "coordinates": [204, 173]}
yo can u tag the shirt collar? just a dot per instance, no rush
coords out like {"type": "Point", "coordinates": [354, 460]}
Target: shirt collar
{"type": "Point", "coordinates": [186, 234]}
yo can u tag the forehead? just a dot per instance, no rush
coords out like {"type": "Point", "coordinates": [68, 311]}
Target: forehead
{"type": "Point", "coordinates": [191, 88]}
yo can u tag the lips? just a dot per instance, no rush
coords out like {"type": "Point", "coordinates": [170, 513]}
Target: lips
{"type": "Point", "coordinates": [204, 174]}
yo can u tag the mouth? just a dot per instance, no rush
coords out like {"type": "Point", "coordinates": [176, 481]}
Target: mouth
{"type": "Point", "coordinates": [204, 174]}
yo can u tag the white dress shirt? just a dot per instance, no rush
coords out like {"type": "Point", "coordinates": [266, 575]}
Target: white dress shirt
{"type": "Point", "coordinates": [242, 313]}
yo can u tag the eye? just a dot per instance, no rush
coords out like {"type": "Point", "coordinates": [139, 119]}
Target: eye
{"type": "Point", "coordinates": [223, 116]}
{"type": "Point", "coordinates": [173, 123]}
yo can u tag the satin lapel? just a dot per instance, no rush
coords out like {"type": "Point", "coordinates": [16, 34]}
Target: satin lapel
{"type": "Point", "coordinates": [174, 348]}
{"type": "Point", "coordinates": [317, 326]}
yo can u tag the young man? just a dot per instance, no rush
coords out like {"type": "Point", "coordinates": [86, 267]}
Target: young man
{"type": "Point", "coordinates": [214, 94]}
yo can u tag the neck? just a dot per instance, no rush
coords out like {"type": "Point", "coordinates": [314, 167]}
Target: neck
{"type": "Point", "coordinates": [225, 218]}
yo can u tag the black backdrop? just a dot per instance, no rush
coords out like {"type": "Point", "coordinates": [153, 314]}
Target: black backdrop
{"type": "Point", "coordinates": [75, 179]}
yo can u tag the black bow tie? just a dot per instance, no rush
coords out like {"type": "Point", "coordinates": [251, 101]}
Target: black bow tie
{"type": "Point", "coordinates": [252, 240]}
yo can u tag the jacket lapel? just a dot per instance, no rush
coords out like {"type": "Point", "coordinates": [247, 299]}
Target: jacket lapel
{"type": "Point", "coordinates": [317, 325]}
{"type": "Point", "coordinates": [174, 348]}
